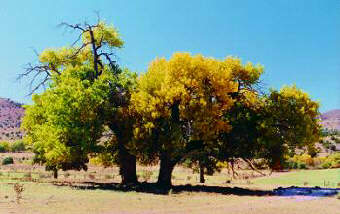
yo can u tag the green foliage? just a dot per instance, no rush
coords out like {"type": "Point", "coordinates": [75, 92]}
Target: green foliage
{"type": "Point", "coordinates": [5, 146]}
{"type": "Point", "coordinates": [337, 140]}
{"type": "Point", "coordinates": [188, 108]}
{"type": "Point", "coordinates": [2, 149]}
{"type": "Point", "coordinates": [180, 102]}
{"type": "Point", "coordinates": [332, 161]}
{"type": "Point", "coordinates": [306, 161]}
{"type": "Point", "coordinates": [66, 122]}
{"type": "Point", "coordinates": [329, 132]}
{"type": "Point", "coordinates": [18, 146]}
{"type": "Point", "coordinates": [289, 122]}
{"type": "Point", "coordinates": [7, 161]}
{"type": "Point", "coordinates": [146, 175]}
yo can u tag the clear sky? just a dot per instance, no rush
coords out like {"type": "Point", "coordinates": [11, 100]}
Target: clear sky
{"type": "Point", "coordinates": [297, 41]}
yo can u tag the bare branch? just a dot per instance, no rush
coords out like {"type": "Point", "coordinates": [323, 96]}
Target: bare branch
{"type": "Point", "coordinates": [253, 167]}
{"type": "Point", "coordinates": [40, 73]}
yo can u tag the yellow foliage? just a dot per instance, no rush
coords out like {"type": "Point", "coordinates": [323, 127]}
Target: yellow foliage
{"type": "Point", "coordinates": [201, 87]}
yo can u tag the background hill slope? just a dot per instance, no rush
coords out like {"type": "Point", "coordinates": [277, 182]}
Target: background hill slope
{"type": "Point", "coordinates": [10, 119]}
{"type": "Point", "coordinates": [331, 119]}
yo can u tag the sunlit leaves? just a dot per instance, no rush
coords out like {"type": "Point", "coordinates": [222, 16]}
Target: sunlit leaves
{"type": "Point", "coordinates": [104, 34]}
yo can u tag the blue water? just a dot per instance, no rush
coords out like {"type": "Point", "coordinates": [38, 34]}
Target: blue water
{"type": "Point", "coordinates": [306, 191]}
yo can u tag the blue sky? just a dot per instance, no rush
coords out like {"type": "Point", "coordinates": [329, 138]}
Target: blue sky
{"type": "Point", "coordinates": [297, 41]}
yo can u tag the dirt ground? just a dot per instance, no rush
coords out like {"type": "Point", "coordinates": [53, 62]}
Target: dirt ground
{"type": "Point", "coordinates": [69, 195]}
{"type": "Point", "coordinates": [52, 199]}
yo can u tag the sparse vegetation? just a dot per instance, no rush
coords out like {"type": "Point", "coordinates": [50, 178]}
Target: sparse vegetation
{"type": "Point", "coordinates": [7, 161]}
{"type": "Point", "coordinates": [305, 161]}
{"type": "Point", "coordinates": [19, 189]}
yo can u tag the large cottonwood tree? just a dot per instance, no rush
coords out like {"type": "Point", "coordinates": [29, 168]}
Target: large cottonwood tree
{"type": "Point", "coordinates": [74, 75]}
{"type": "Point", "coordinates": [181, 102]}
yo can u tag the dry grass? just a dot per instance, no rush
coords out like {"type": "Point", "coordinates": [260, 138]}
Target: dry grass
{"type": "Point", "coordinates": [41, 196]}
{"type": "Point", "coordinates": [50, 199]}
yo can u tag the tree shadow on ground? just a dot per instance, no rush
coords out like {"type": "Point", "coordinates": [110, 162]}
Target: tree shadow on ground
{"type": "Point", "coordinates": [156, 189]}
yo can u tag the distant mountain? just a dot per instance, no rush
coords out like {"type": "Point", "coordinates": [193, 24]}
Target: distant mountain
{"type": "Point", "coordinates": [11, 114]}
{"type": "Point", "coordinates": [331, 119]}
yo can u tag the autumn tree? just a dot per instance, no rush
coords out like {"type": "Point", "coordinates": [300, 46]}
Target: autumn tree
{"type": "Point", "coordinates": [269, 127]}
{"type": "Point", "coordinates": [75, 75]}
{"type": "Point", "coordinates": [65, 123]}
{"type": "Point", "coordinates": [289, 121]}
{"type": "Point", "coordinates": [181, 102]}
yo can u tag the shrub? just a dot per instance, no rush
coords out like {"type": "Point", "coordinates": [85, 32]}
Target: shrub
{"type": "Point", "coordinates": [332, 161]}
{"type": "Point", "coordinates": [2, 149]}
{"type": "Point", "coordinates": [5, 146]}
{"type": "Point", "coordinates": [337, 140]}
{"type": "Point", "coordinates": [291, 164]}
{"type": "Point", "coordinates": [146, 175]}
{"type": "Point", "coordinates": [19, 189]}
{"type": "Point", "coordinates": [301, 166]}
{"type": "Point", "coordinates": [18, 146]}
{"type": "Point", "coordinates": [7, 160]}
{"type": "Point", "coordinates": [327, 144]}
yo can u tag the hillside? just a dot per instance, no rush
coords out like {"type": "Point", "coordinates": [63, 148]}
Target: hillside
{"type": "Point", "coordinates": [331, 119]}
{"type": "Point", "coordinates": [10, 119]}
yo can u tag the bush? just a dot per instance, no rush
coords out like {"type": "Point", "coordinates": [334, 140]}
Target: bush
{"type": "Point", "coordinates": [337, 140]}
{"type": "Point", "coordinates": [2, 149]}
{"type": "Point", "coordinates": [301, 166]}
{"type": "Point", "coordinates": [4, 146]}
{"type": "Point", "coordinates": [326, 165]}
{"type": "Point", "coordinates": [146, 175]}
{"type": "Point", "coordinates": [18, 146]}
{"type": "Point", "coordinates": [7, 160]}
{"type": "Point", "coordinates": [327, 144]}
{"type": "Point", "coordinates": [291, 165]}
{"type": "Point", "coordinates": [332, 161]}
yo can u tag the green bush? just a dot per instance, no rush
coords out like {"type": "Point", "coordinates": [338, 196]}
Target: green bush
{"type": "Point", "coordinates": [326, 165]}
{"type": "Point", "coordinates": [332, 161]}
{"type": "Point", "coordinates": [146, 175]}
{"type": "Point", "coordinates": [305, 161]}
{"type": "Point", "coordinates": [327, 144]}
{"type": "Point", "coordinates": [337, 140]}
{"type": "Point", "coordinates": [7, 160]}
{"type": "Point", "coordinates": [301, 166]}
{"type": "Point", "coordinates": [292, 165]}
{"type": "Point", "coordinates": [4, 146]}
{"type": "Point", "coordinates": [2, 149]}
{"type": "Point", "coordinates": [18, 146]}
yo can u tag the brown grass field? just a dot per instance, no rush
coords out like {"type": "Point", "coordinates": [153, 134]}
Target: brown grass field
{"type": "Point", "coordinates": [74, 192]}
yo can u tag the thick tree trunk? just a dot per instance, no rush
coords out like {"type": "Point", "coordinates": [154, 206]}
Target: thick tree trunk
{"type": "Point", "coordinates": [202, 179]}
{"type": "Point", "coordinates": [55, 173]}
{"type": "Point", "coordinates": [127, 164]}
{"type": "Point", "coordinates": [165, 171]}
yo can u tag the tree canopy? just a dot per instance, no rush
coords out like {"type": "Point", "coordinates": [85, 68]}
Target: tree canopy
{"type": "Point", "coordinates": [188, 107]}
